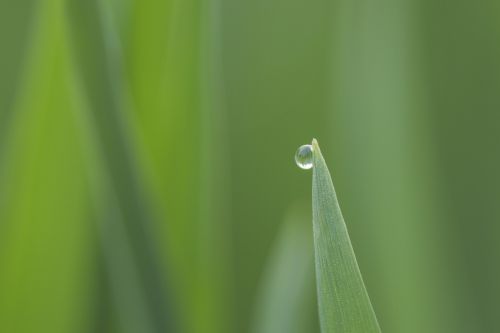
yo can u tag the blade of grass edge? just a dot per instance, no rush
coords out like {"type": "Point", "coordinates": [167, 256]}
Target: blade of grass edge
{"type": "Point", "coordinates": [344, 305]}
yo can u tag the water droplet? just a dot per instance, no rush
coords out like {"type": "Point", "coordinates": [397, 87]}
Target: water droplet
{"type": "Point", "coordinates": [304, 157]}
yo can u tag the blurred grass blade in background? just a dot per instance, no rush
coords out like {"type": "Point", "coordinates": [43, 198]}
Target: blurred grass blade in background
{"type": "Point", "coordinates": [124, 217]}
{"type": "Point", "coordinates": [344, 305]}
{"type": "Point", "coordinates": [171, 58]}
{"type": "Point", "coordinates": [13, 18]}
{"type": "Point", "coordinates": [287, 283]}
{"type": "Point", "coordinates": [46, 248]}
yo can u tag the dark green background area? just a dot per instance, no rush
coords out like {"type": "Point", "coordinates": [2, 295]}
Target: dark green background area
{"type": "Point", "coordinates": [147, 181]}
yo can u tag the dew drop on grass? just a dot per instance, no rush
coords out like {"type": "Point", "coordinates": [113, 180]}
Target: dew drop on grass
{"type": "Point", "coordinates": [304, 157]}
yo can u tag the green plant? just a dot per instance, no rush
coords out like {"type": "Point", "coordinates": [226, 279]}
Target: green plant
{"type": "Point", "coordinates": [344, 305]}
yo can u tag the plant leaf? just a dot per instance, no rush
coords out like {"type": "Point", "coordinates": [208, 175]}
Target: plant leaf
{"type": "Point", "coordinates": [123, 215]}
{"type": "Point", "coordinates": [344, 305]}
{"type": "Point", "coordinates": [286, 288]}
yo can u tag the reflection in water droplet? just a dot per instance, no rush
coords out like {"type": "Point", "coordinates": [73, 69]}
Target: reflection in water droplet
{"type": "Point", "coordinates": [304, 157]}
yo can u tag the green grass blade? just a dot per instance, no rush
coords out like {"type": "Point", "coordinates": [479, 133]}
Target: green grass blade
{"type": "Point", "coordinates": [286, 287]}
{"type": "Point", "coordinates": [15, 34]}
{"type": "Point", "coordinates": [46, 244]}
{"type": "Point", "coordinates": [125, 218]}
{"type": "Point", "coordinates": [344, 305]}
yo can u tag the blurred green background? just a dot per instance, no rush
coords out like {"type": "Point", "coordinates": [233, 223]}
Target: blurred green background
{"type": "Point", "coordinates": [147, 181]}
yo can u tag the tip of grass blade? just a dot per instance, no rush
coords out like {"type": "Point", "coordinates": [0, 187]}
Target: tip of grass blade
{"type": "Point", "coordinates": [316, 150]}
{"type": "Point", "coordinates": [344, 305]}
